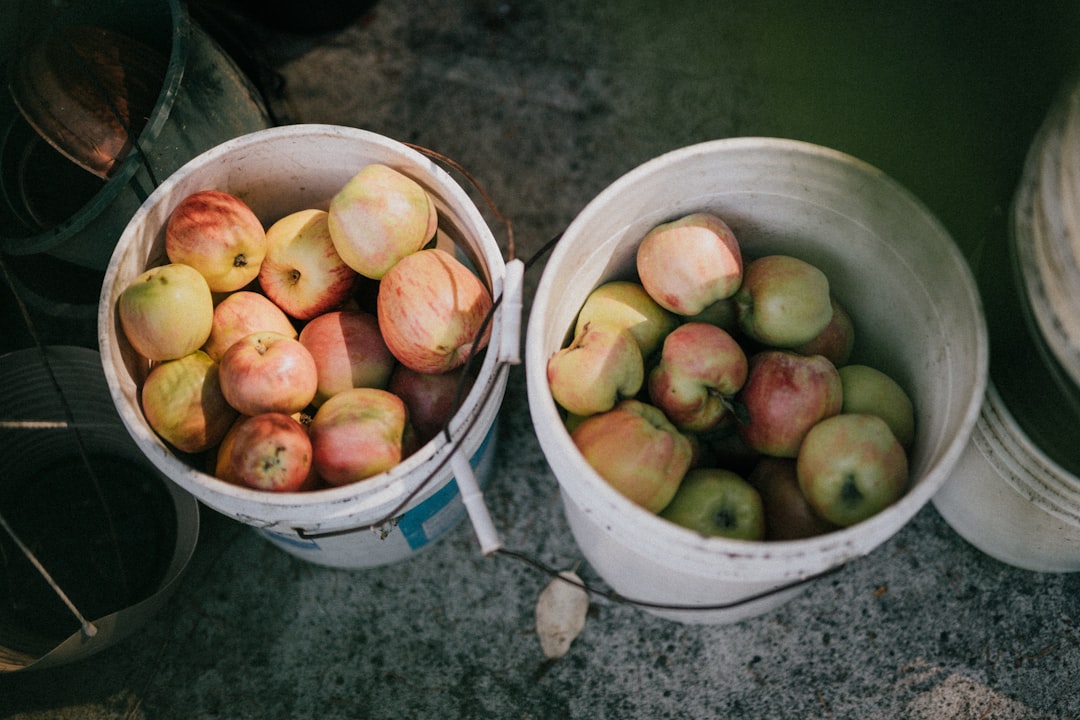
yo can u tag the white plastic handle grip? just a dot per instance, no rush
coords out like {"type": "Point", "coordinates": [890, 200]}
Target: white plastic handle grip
{"type": "Point", "coordinates": [473, 500]}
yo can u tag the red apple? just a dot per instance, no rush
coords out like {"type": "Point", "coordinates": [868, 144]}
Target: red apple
{"type": "Point", "coordinates": [183, 403]}
{"type": "Point", "coordinates": [836, 341]}
{"type": "Point", "coordinates": [788, 516]}
{"type": "Point", "coordinates": [378, 217]}
{"type": "Point", "coordinates": [851, 467]}
{"type": "Point", "coordinates": [431, 309]}
{"type": "Point", "coordinates": [783, 301]}
{"type": "Point", "coordinates": [784, 396]}
{"type": "Point", "coordinates": [271, 451]}
{"type": "Point", "coordinates": [600, 367]}
{"type": "Point", "coordinates": [242, 313]}
{"type": "Point", "coordinates": [166, 312]}
{"type": "Point", "coordinates": [431, 398]}
{"type": "Point", "coordinates": [689, 263]}
{"type": "Point", "coordinates": [349, 352]}
{"type": "Point", "coordinates": [217, 234]}
{"type": "Point", "coordinates": [359, 433]}
{"type": "Point", "coordinates": [268, 372]}
{"type": "Point", "coordinates": [701, 367]}
{"type": "Point", "coordinates": [302, 271]}
{"type": "Point", "coordinates": [637, 451]}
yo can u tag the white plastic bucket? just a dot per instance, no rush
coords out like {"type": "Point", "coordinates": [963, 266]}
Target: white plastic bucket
{"type": "Point", "coordinates": [278, 171]}
{"type": "Point", "coordinates": [1015, 495]}
{"type": "Point", "coordinates": [918, 317]}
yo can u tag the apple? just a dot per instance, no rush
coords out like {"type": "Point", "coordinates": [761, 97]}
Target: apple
{"type": "Point", "coordinates": [601, 366]}
{"type": "Point", "coordinates": [626, 304]}
{"type": "Point", "coordinates": [241, 313]}
{"type": "Point", "coordinates": [271, 451]}
{"type": "Point", "coordinates": [689, 263]}
{"type": "Point", "coordinates": [431, 398]}
{"type": "Point", "coordinates": [219, 465]}
{"type": "Point", "coordinates": [359, 433]}
{"type": "Point", "coordinates": [217, 234]}
{"type": "Point", "coordinates": [302, 271]}
{"type": "Point", "coordinates": [349, 352]}
{"type": "Point", "coordinates": [721, 313]}
{"type": "Point", "coordinates": [717, 503]}
{"type": "Point", "coordinates": [378, 217]}
{"type": "Point", "coordinates": [785, 394]}
{"type": "Point", "coordinates": [431, 309]}
{"type": "Point", "coordinates": [851, 467]}
{"type": "Point", "coordinates": [788, 515]}
{"type": "Point", "coordinates": [724, 447]}
{"type": "Point", "coordinates": [701, 366]}
{"type": "Point", "coordinates": [836, 341]}
{"type": "Point", "coordinates": [637, 451]}
{"type": "Point", "coordinates": [868, 390]}
{"type": "Point", "coordinates": [268, 372]}
{"type": "Point", "coordinates": [783, 301]}
{"type": "Point", "coordinates": [166, 312]}
{"type": "Point", "coordinates": [182, 401]}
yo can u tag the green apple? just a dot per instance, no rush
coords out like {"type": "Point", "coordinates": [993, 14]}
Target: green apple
{"type": "Point", "coordinates": [166, 312]}
{"type": "Point", "coordinates": [850, 467]}
{"type": "Point", "coordinates": [602, 365]}
{"type": "Point", "coordinates": [637, 451]}
{"type": "Point", "coordinates": [783, 301]}
{"type": "Point", "coordinates": [717, 503]}
{"type": "Point", "coordinates": [836, 341]}
{"type": "Point", "coordinates": [868, 390]}
{"type": "Point", "coordinates": [625, 303]}
{"type": "Point", "coordinates": [701, 366]}
{"type": "Point", "coordinates": [689, 263]}
{"type": "Point", "coordinates": [788, 516]}
{"type": "Point", "coordinates": [182, 401]}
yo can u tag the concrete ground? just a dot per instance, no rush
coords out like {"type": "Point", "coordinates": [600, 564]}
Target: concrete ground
{"type": "Point", "coordinates": [546, 103]}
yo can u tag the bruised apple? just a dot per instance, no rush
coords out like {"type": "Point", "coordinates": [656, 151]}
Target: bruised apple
{"type": "Point", "coordinates": [166, 312]}
{"type": "Point", "coordinates": [625, 304]}
{"type": "Point", "coordinates": [689, 263]}
{"type": "Point", "coordinates": [600, 367]}
{"type": "Point", "coordinates": [378, 217]}
{"type": "Point", "coordinates": [431, 309]}
{"type": "Point", "coordinates": [359, 433]}
{"type": "Point", "coordinates": [302, 271]}
{"type": "Point", "coordinates": [637, 451]}
{"type": "Point", "coordinates": [268, 372]}
{"type": "Point", "coordinates": [242, 313]}
{"type": "Point", "coordinates": [217, 234]}
{"type": "Point", "coordinates": [182, 401]}
{"type": "Point", "coordinates": [348, 350]}
{"type": "Point", "coordinates": [271, 451]}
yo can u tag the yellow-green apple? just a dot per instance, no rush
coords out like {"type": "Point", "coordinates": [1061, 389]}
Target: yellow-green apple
{"type": "Point", "coordinates": [302, 271]}
{"type": "Point", "coordinates": [359, 433]}
{"type": "Point", "coordinates": [637, 451]}
{"type": "Point", "coordinates": [721, 313]}
{"type": "Point", "coordinates": [166, 312]}
{"type": "Point", "coordinates": [268, 372]}
{"type": "Point", "coordinates": [601, 366]}
{"type": "Point", "coordinates": [717, 503]}
{"type": "Point", "coordinates": [836, 341]}
{"type": "Point", "coordinates": [701, 367]}
{"type": "Point", "coordinates": [378, 217]}
{"type": "Point", "coordinates": [272, 452]}
{"type": "Point", "coordinates": [241, 313]}
{"type": "Point", "coordinates": [348, 350]}
{"type": "Point", "coordinates": [785, 394]}
{"type": "Point", "coordinates": [182, 401]}
{"type": "Point", "coordinates": [626, 304]}
{"type": "Point", "coordinates": [689, 263]}
{"type": "Point", "coordinates": [217, 234]}
{"type": "Point", "coordinates": [869, 390]}
{"type": "Point", "coordinates": [788, 516]}
{"type": "Point", "coordinates": [783, 301]}
{"type": "Point", "coordinates": [850, 467]}
{"type": "Point", "coordinates": [431, 310]}
{"type": "Point", "coordinates": [431, 398]}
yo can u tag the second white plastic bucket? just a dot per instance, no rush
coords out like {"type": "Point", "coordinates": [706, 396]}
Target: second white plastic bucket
{"type": "Point", "coordinates": [918, 317]}
{"type": "Point", "coordinates": [385, 518]}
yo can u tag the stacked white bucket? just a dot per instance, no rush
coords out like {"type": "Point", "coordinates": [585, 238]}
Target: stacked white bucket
{"type": "Point", "coordinates": [278, 171]}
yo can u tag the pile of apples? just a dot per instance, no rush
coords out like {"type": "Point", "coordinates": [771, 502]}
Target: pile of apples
{"type": "Point", "coordinates": [266, 355]}
{"type": "Point", "coordinates": [715, 390]}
